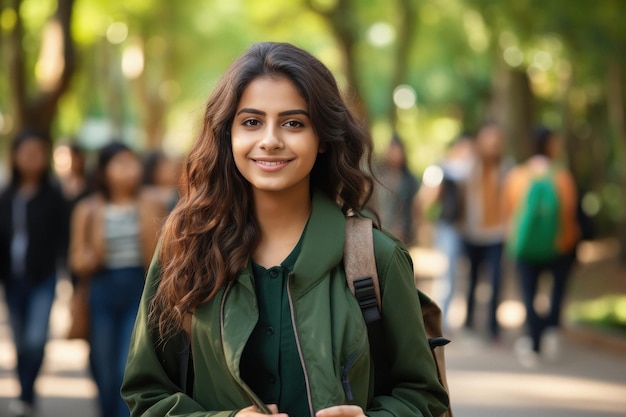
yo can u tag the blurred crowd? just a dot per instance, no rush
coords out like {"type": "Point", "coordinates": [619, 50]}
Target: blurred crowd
{"type": "Point", "coordinates": [90, 216]}
{"type": "Point", "coordinates": [97, 216]}
{"type": "Point", "coordinates": [485, 208]}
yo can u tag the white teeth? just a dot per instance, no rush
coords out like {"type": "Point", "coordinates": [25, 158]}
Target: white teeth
{"type": "Point", "coordinates": [271, 163]}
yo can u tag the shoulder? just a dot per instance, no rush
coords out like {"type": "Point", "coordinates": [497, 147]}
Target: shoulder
{"type": "Point", "coordinates": [6, 194]}
{"type": "Point", "coordinates": [388, 250]}
{"type": "Point", "coordinates": [51, 193]}
{"type": "Point", "coordinates": [88, 204]}
{"type": "Point", "coordinates": [563, 174]}
{"type": "Point", "coordinates": [517, 177]}
{"type": "Point", "coordinates": [565, 182]}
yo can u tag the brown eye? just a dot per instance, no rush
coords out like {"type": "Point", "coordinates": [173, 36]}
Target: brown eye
{"type": "Point", "coordinates": [251, 123]}
{"type": "Point", "coordinates": [293, 124]}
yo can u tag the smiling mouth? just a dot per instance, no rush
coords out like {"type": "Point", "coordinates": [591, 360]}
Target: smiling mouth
{"type": "Point", "coordinates": [271, 163]}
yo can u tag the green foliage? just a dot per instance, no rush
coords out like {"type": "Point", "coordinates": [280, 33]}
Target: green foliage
{"type": "Point", "coordinates": [607, 312]}
{"type": "Point", "coordinates": [455, 50]}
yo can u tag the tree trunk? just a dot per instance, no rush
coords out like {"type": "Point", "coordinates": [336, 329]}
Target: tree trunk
{"type": "Point", "coordinates": [407, 10]}
{"type": "Point", "coordinates": [617, 119]}
{"type": "Point", "coordinates": [343, 23]}
{"type": "Point", "coordinates": [40, 110]}
{"type": "Point", "coordinates": [512, 108]}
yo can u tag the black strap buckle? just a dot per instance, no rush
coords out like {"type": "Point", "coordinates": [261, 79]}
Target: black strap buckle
{"type": "Point", "coordinates": [365, 295]}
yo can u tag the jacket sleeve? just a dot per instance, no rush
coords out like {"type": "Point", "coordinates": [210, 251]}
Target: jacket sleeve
{"type": "Point", "coordinates": [417, 391]}
{"type": "Point", "coordinates": [150, 387]}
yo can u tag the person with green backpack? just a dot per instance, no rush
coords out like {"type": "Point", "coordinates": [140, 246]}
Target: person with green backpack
{"type": "Point", "coordinates": [540, 207]}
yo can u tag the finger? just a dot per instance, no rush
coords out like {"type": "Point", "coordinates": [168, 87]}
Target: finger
{"type": "Point", "coordinates": [273, 408]}
{"type": "Point", "coordinates": [246, 411]}
{"type": "Point", "coordinates": [341, 411]}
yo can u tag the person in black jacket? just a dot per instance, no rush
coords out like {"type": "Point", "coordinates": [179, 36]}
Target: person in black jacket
{"type": "Point", "coordinates": [33, 238]}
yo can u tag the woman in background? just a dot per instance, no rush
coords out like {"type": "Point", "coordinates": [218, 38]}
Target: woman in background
{"type": "Point", "coordinates": [161, 174]}
{"type": "Point", "coordinates": [33, 239]}
{"type": "Point", "coordinates": [109, 248]}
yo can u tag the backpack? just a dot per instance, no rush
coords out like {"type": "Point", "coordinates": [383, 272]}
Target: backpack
{"type": "Point", "coordinates": [450, 201]}
{"type": "Point", "coordinates": [362, 279]}
{"type": "Point", "coordinates": [536, 225]}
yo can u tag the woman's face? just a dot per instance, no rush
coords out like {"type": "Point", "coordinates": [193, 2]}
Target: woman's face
{"type": "Point", "coordinates": [167, 173]}
{"type": "Point", "coordinates": [489, 143]}
{"type": "Point", "coordinates": [395, 155]}
{"type": "Point", "coordinates": [123, 173]}
{"type": "Point", "coordinates": [273, 142]}
{"type": "Point", "coordinates": [31, 159]}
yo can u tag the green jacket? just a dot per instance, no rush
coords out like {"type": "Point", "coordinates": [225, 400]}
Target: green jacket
{"type": "Point", "coordinates": [330, 333]}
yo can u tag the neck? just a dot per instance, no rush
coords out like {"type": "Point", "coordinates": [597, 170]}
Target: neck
{"type": "Point", "coordinates": [283, 213]}
{"type": "Point", "coordinates": [121, 197]}
{"type": "Point", "coordinates": [491, 162]}
{"type": "Point", "coordinates": [281, 218]}
{"type": "Point", "coordinates": [28, 185]}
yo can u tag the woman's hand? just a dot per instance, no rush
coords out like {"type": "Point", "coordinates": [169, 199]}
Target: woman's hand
{"type": "Point", "coordinates": [341, 411]}
{"type": "Point", "coordinates": [253, 411]}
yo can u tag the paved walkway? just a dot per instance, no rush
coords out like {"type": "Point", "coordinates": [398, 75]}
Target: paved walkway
{"type": "Point", "coordinates": [64, 384]}
{"type": "Point", "coordinates": [485, 380]}
{"type": "Point", "coordinates": [489, 381]}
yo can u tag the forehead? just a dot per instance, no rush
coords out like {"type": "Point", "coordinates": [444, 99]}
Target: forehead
{"type": "Point", "coordinates": [489, 133]}
{"type": "Point", "coordinates": [271, 93]}
{"type": "Point", "coordinates": [31, 144]}
{"type": "Point", "coordinates": [124, 157]}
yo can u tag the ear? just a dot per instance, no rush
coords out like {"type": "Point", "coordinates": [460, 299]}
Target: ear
{"type": "Point", "coordinates": [322, 148]}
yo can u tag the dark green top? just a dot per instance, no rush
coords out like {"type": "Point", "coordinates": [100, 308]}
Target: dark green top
{"type": "Point", "coordinates": [270, 364]}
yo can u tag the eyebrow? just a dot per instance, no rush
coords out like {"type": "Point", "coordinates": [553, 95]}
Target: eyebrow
{"type": "Point", "coordinates": [282, 113]}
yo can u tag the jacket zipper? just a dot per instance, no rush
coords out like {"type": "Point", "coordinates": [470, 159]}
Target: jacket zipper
{"type": "Point", "coordinates": [244, 387]}
{"type": "Point", "coordinates": [299, 346]}
{"type": "Point", "coordinates": [345, 380]}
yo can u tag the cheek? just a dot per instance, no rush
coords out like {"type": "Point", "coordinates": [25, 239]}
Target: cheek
{"type": "Point", "coordinates": [239, 150]}
{"type": "Point", "coordinates": [30, 160]}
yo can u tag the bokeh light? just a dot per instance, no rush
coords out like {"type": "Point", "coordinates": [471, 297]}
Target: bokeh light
{"type": "Point", "coordinates": [117, 32]}
{"type": "Point", "coordinates": [404, 96]}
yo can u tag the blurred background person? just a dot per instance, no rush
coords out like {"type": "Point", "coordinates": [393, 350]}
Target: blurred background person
{"type": "Point", "coordinates": [396, 192]}
{"type": "Point", "coordinates": [108, 248]}
{"type": "Point", "coordinates": [483, 222]}
{"type": "Point", "coordinates": [161, 174]}
{"type": "Point", "coordinates": [71, 166]}
{"type": "Point", "coordinates": [541, 207]}
{"type": "Point", "coordinates": [33, 239]}
{"type": "Point", "coordinates": [70, 163]}
{"type": "Point", "coordinates": [443, 199]}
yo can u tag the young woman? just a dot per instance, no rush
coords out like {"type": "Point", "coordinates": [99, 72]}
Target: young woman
{"type": "Point", "coordinates": [33, 239]}
{"type": "Point", "coordinates": [250, 266]}
{"type": "Point", "coordinates": [108, 252]}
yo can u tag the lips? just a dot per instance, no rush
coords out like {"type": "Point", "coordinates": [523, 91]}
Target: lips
{"type": "Point", "coordinates": [270, 163]}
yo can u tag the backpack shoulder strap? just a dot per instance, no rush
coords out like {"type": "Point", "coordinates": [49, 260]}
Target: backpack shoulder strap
{"type": "Point", "coordinates": [360, 266]}
{"type": "Point", "coordinates": [362, 278]}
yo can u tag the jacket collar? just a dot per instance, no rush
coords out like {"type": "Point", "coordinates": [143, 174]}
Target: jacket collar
{"type": "Point", "coordinates": [322, 244]}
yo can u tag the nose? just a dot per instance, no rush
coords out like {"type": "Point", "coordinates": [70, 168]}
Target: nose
{"type": "Point", "coordinates": [271, 138]}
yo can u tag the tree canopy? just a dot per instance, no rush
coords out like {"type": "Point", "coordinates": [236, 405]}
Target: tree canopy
{"type": "Point", "coordinates": [428, 69]}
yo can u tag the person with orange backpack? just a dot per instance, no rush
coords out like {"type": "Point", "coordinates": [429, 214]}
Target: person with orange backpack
{"type": "Point", "coordinates": [542, 231]}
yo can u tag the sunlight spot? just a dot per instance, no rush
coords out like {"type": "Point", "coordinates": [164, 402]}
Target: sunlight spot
{"type": "Point", "coordinates": [117, 33]}
{"type": "Point", "coordinates": [381, 34]}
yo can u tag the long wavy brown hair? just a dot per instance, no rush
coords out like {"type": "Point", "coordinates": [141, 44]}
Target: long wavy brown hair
{"type": "Point", "coordinates": [210, 235]}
